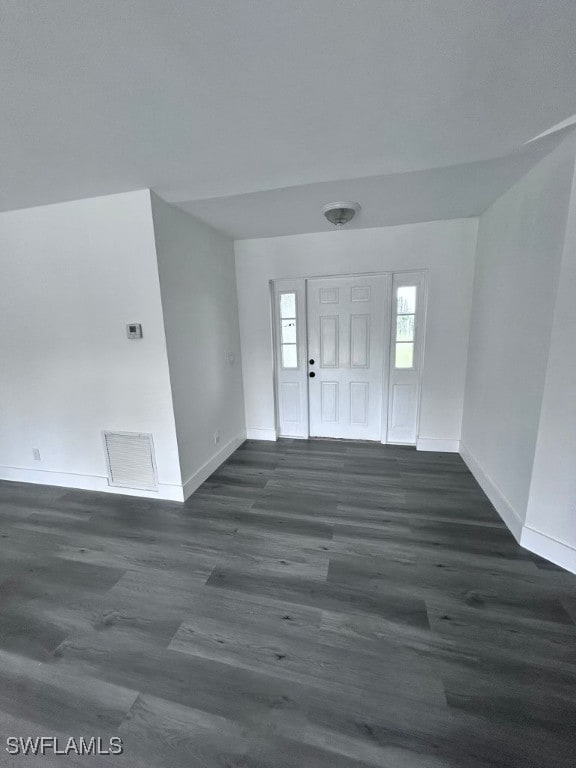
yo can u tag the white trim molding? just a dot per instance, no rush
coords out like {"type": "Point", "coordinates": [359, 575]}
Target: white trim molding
{"type": "Point", "coordinates": [513, 519]}
{"type": "Point", "coordinates": [437, 445]}
{"type": "Point", "coordinates": [545, 546]}
{"type": "Point", "coordinates": [549, 548]}
{"type": "Point", "coordinates": [255, 433]}
{"type": "Point", "coordinates": [166, 492]}
{"type": "Point", "coordinates": [196, 480]}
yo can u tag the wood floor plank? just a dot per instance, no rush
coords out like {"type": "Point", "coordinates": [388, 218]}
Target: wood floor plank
{"type": "Point", "coordinates": [317, 604]}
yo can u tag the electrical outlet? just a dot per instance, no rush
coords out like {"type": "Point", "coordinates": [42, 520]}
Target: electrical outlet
{"type": "Point", "coordinates": [216, 437]}
{"type": "Point", "coordinates": [36, 454]}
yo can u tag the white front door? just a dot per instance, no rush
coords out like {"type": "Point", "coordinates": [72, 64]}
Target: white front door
{"type": "Point", "coordinates": [347, 340]}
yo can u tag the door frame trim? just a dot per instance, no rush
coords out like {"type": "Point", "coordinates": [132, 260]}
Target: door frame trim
{"type": "Point", "coordinates": [301, 283]}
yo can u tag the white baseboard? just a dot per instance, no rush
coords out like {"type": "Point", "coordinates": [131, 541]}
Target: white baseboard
{"type": "Point", "coordinates": [549, 548]}
{"type": "Point", "coordinates": [99, 483]}
{"type": "Point", "coordinates": [195, 480]}
{"type": "Point", "coordinates": [437, 444]}
{"type": "Point", "coordinates": [165, 491]}
{"type": "Point", "coordinates": [557, 552]}
{"type": "Point", "coordinates": [395, 442]}
{"type": "Point", "coordinates": [253, 433]}
{"type": "Point", "coordinates": [509, 515]}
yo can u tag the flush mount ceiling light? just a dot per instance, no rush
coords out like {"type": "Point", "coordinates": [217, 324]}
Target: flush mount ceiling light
{"type": "Point", "coordinates": [340, 214]}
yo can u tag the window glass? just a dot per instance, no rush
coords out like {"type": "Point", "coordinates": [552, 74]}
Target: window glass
{"type": "Point", "coordinates": [404, 355]}
{"type": "Point", "coordinates": [405, 328]}
{"type": "Point", "coordinates": [289, 356]}
{"type": "Point", "coordinates": [288, 334]}
{"type": "Point", "coordinates": [405, 324]}
{"type": "Point", "coordinates": [287, 305]}
{"type": "Point", "coordinates": [406, 300]}
{"type": "Point", "coordinates": [289, 331]}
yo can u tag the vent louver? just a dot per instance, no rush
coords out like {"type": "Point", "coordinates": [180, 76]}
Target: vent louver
{"type": "Point", "coordinates": [130, 460]}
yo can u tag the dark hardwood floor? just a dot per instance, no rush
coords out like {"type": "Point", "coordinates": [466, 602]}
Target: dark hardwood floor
{"type": "Point", "coordinates": [315, 604]}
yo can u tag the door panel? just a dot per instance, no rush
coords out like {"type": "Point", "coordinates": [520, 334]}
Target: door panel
{"type": "Point", "coordinates": [360, 341]}
{"type": "Point", "coordinates": [290, 403]}
{"type": "Point", "coordinates": [347, 339]}
{"type": "Point", "coordinates": [329, 341]}
{"type": "Point", "coordinates": [289, 306]}
{"type": "Point", "coordinates": [409, 311]}
{"type": "Point", "coordinates": [359, 401]}
{"type": "Point", "coordinates": [329, 401]}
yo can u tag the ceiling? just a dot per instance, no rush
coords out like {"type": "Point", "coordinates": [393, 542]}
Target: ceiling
{"type": "Point", "coordinates": [269, 103]}
{"type": "Point", "coordinates": [401, 198]}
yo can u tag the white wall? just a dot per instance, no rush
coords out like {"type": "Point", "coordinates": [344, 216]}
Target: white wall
{"type": "Point", "coordinates": [198, 286]}
{"type": "Point", "coordinates": [71, 277]}
{"type": "Point", "coordinates": [551, 518]}
{"type": "Point", "coordinates": [445, 248]}
{"type": "Point", "coordinates": [520, 243]}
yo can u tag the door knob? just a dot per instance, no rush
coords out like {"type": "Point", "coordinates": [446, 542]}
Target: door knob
{"type": "Point", "coordinates": [311, 374]}
{"type": "Point", "coordinates": [311, 361]}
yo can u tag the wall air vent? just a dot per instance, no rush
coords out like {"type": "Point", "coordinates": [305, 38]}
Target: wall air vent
{"type": "Point", "coordinates": [130, 460]}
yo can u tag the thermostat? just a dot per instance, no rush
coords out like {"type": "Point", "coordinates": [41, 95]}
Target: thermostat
{"type": "Point", "coordinates": [134, 330]}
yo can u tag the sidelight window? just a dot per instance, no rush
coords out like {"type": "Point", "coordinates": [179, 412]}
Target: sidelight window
{"type": "Point", "coordinates": [288, 338]}
{"type": "Point", "coordinates": [405, 326]}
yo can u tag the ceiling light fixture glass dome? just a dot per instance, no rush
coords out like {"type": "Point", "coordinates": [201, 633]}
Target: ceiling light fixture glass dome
{"type": "Point", "coordinates": [340, 213]}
